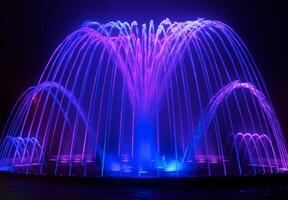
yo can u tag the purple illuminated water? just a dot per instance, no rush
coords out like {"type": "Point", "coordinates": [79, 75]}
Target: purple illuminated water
{"type": "Point", "coordinates": [120, 99]}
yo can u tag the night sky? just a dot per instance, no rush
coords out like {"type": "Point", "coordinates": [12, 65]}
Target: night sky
{"type": "Point", "coordinates": [31, 30]}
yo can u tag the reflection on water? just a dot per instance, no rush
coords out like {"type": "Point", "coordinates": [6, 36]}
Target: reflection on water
{"type": "Point", "coordinates": [23, 188]}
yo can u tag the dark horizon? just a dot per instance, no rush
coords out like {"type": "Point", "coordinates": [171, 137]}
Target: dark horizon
{"type": "Point", "coordinates": [32, 30]}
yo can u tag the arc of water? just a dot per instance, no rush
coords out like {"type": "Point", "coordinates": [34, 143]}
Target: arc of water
{"type": "Point", "coordinates": [218, 98]}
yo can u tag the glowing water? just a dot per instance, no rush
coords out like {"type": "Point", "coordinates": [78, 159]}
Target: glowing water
{"type": "Point", "coordinates": [119, 99]}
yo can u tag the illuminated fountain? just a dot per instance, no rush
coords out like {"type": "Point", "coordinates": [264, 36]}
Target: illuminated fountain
{"type": "Point", "coordinates": [119, 99]}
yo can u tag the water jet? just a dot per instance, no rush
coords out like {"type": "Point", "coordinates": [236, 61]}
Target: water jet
{"type": "Point", "coordinates": [122, 99]}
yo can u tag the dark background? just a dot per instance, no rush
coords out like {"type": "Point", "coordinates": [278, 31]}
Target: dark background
{"type": "Point", "coordinates": [31, 30]}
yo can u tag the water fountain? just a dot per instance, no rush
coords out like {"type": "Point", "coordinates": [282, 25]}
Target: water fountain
{"type": "Point", "coordinates": [122, 99]}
